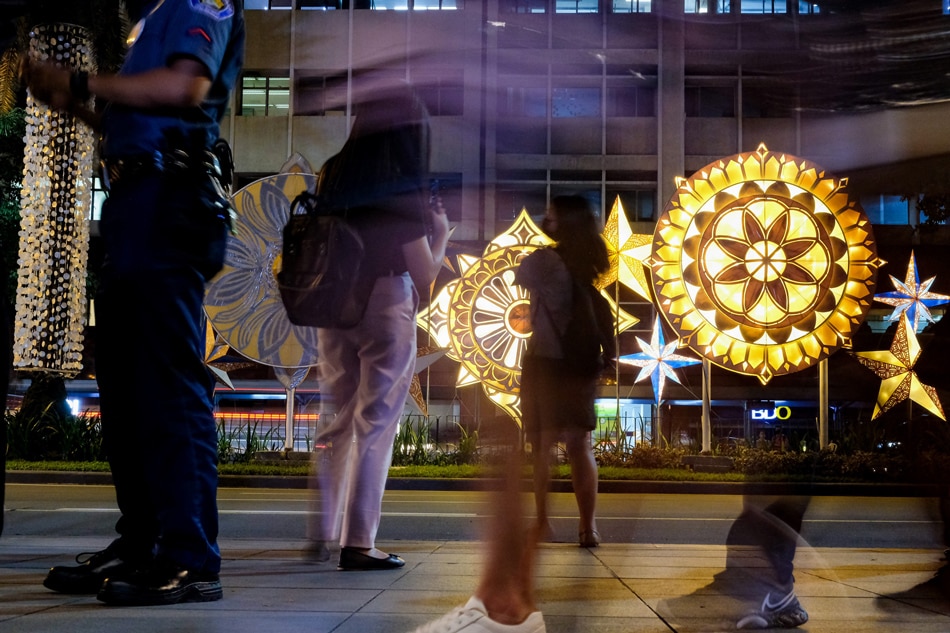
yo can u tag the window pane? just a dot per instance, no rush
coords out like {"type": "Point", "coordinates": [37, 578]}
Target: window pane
{"type": "Point", "coordinates": [709, 102]}
{"type": "Point", "coordinates": [433, 5]}
{"type": "Point", "coordinates": [278, 96]}
{"type": "Point", "coordinates": [522, 6]}
{"type": "Point", "coordinates": [632, 6]}
{"type": "Point", "coordinates": [254, 96]}
{"type": "Point", "coordinates": [763, 6]}
{"type": "Point", "coordinates": [882, 209]}
{"type": "Point", "coordinates": [317, 95]}
{"type": "Point", "coordinates": [630, 101]}
{"type": "Point", "coordinates": [382, 5]}
{"type": "Point", "coordinates": [708, 6]}
{"type": "Point", "coordinates": [510, 202]}
{"type": "Point", "coordinates": [810, 7]}
{"type": "Point", "coordinates": [576, 6]}
{"type": "Point", "coordinates": [319, 5]}
{"type": "Point", "coordinates": [442, 96]}
{"type": "Point", "coordinates": [521, 102]}
{"type": "Point", "coordinates": [638, 204]}
{"type": "Point", "coordinates": [575, 102]}
{"type": "Point", "coordinates": [255, 5]}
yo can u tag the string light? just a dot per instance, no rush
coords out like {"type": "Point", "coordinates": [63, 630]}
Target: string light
{"type": "Point", "coordinates": [54, 231]}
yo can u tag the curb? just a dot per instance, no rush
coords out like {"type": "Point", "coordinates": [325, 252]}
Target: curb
{"type": "Point", "coordinates": [558, 485]}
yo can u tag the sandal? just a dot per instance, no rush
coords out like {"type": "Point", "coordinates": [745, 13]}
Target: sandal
{"type": "Point", "coordinates": [588, 538]}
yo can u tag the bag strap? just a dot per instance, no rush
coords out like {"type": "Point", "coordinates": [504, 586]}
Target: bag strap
{"type": "Point", "coordinates": [307, 203]}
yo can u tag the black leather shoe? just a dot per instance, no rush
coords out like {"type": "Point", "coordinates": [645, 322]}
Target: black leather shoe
{"type": "Point", "coordinates": [87, 577]}
{"type": "Point", "coordinates": [352, 559]}
{"type": "Point", "coordinates": [161, 584]}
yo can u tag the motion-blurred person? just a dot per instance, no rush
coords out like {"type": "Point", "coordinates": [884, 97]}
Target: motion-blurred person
{"type": "Point", "coordinates": [365, 371]}
{"type": "Point", "coordinates": [755, 596]}
{"type": "Point", "coordinates": [504, 600]}
{"type": "Point", "coordinates": [164, 228]}
{"type": "Point", "coordinates": [557, 401]}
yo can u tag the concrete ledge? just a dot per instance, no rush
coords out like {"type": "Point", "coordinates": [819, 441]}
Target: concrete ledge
{"type": "Point", "coordinates": [708, 463]}
{"type": "Point", "coordinates": [558, 485]}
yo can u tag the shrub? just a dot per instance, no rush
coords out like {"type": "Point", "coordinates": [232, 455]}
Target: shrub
{"type": "Point", "coordinates": [640, 456]}
{"type": "Point", "coordinates": [53, 436]}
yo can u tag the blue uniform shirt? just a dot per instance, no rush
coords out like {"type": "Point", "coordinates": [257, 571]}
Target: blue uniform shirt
{"type": "Point", "coordinates": [209, 31]}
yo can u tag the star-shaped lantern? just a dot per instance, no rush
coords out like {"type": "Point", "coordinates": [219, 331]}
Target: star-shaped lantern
{"type": "Point", "coordinates": [895, 367]}
{"type": "Point", "coordinates": [658, 360]}
{"type": "Point", "coordinates": [425, 356]}
{"type": "Point", "coordinates": [216, 348]}
{"type": "Point", "coordinates": [627, 251]}
{"type": "Point", "coordinates": [911, 297]}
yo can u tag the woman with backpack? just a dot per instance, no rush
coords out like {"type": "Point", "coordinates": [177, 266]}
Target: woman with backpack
{"type": "Point", "coordinates": [557, 391]}
{"type": "Point", "coordinates": [381, 178]}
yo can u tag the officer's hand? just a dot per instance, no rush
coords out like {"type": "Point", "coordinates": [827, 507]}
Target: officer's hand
{"type": "Point", "coordinates": [47, 83]}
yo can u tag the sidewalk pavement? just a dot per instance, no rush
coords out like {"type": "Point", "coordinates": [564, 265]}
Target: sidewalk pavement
{"type": "Point", "coordinates": [269, 587]}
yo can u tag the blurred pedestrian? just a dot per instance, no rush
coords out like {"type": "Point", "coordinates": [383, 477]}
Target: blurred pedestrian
{"type": "Point", "coordinates": [757, 587]}
{"type": "Point", "coordinates": [164, 228]}
{"type": "Point", "coordinates": [503, 601]}
{"type": "Point", "coordinates": [381, 176]}
{"type": "Point", "coordinates": [558, 402]}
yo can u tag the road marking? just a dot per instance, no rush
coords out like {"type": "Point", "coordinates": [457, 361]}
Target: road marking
{"type": "Point", "coordinates": [469, 515]}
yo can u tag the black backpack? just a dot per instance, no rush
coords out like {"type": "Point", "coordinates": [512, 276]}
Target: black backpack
{"type": "Point", "coordinates": [588, 342]}
{"type": "Point", "coordinates": [319, 278]}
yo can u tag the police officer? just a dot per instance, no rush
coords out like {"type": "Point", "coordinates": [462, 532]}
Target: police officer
{"type": "Point", "coordinates": [164, 228]}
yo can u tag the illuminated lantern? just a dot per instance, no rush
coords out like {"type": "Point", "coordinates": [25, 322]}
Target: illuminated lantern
{"type": "Point", "coordinates": [895, 368]}
{"type": "Point", "coordinates": [764, 264]}
{"type": "Point", "coordinates": [658, 360]}
{"type": "Point", "coordinates": [54, 224]}
{"type": "Point", "coordinates": [482, 317]}
{"type": "Point", "coordinates": [243, 301]}
{"type": "Point", "coordinates": [911, 297]}
{"type": "Point", "coordinates": [627, 252]}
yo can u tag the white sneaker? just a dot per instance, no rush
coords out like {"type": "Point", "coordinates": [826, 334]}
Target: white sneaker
{"type": "Point", "coordinates": [473, 618]}
{"type": "Point", "coordinates": [784, 613]}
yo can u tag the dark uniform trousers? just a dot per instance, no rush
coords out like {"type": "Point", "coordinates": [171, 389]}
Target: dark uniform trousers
{"type": "Point", "coordinates": [161, 246]}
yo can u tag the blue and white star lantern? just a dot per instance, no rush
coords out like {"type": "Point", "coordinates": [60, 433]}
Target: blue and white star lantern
{"type": "Point", "coordinates": [912, 297]}
{"type": "Point", "coordinates": [658, 359]}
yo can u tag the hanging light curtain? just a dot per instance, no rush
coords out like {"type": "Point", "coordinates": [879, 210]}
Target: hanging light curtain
{"type": "Point", "coordinates": [56, 199]}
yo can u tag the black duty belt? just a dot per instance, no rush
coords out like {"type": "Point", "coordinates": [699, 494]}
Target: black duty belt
{"type": "Point", "coordinates": [115, 170]}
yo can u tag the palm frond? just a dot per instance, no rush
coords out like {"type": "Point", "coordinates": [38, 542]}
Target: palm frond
{"type": "Point", "coordinates": [9, 82]}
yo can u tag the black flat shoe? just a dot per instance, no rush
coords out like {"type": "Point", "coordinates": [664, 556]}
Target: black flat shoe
{"type": "Point", "coordinates": [161, 584]}
{"type": "Point", "coordinates": [354, 560]}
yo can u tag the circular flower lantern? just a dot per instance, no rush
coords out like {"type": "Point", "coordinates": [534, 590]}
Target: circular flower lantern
{"type": "Point", "coordinates": [482, 318]}
{"type": "Point", "coordinates": [243, 301]}
{"type": "Point", "coordinates": [764, 264]}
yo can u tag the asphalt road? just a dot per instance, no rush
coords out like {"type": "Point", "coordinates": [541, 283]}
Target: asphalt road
{"type": "Point", "coordinates": [703, 519]}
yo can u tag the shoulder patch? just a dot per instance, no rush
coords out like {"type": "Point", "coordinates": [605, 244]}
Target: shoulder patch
{"type": "Point", "coordinates": [217, 9]}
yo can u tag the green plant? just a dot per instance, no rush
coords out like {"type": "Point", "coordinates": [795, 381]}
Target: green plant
{"type": "Point", "coordinates": [227, 438]}
{"type": "Point", "coordinates": [466, 452]}
{"type": "Point", "coordinates": [646, 456]}
{"type": "Point", "coordinates": [411, 446]}
{"type": "Point", "coordinates": [27, 435]}
{"type": "Point", "coordinates": [77, 438]}
{"type": "Point", "coordinates": [240, 443]}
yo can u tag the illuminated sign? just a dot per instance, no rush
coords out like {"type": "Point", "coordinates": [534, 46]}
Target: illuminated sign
{"type": "Point", "coordinates": [778, 413]}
